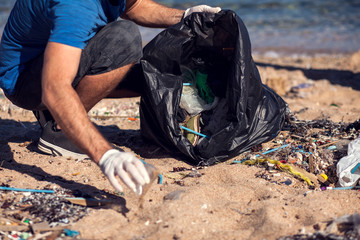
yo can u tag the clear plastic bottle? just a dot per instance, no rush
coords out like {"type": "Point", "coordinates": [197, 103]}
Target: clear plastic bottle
{"type": "Point", "coordinates": [190, 99]}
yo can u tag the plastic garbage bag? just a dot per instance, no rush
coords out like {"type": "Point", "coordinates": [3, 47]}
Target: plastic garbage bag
{"type": "Point", "coordinates": [246, 113]}
{"type": "Point", "coordinates": [348, 168]}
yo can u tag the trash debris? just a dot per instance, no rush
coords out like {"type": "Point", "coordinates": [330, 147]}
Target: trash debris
{"type": "Point", "coordinates": [312, 147]}
{"type": "Point", "coordinates": [153, 174]}
{"type": "Point", "coordinates": [302, 85]}
{"type": "Point", "coordinates": [44, 227]}
{"type": "Point", "coordinates": [355, 125]}
{"type": "Point", "coordinates": [347, 224]}
{"type": "Point", "coordinates": [264, 153]}
{"type": "Point", "coordinates": [192, 102]}
{"type": "Point", "coordinates": [193, 174]}
{"type": "Point", "coordinates": [346, 227]}
{"type": "Point", "coordinates": [160, 179]}
{"type": "Point", "coordinates": [283, 167]}
{"type": "Point", "coordinates": [174, 195]}
{"type": "Point", "coordinates": [53, 208]}
{"type": "Point", "coordinates": [71, 233]}
{"type": "Point", "coordinates": [26, 190]}
{"type": "Point", "coordinates": [10, 228]}
{"type": "Point", "coordinates": [287, 182]}
{"type": "Point", "coordinates": [39, 214]}
{"type": "Point", "coordinates": [183, 173]}
{"type": "Point", "coordinates": [191, 130]}
{"type": "Point", "coordinates": [348, 168]}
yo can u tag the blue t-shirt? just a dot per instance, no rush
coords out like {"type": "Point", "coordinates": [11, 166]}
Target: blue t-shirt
{"type": "Point", "coordinates": [32, 23]}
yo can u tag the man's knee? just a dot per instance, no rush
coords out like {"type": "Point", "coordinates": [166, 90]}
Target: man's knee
{"type": "Point", "coordinates": [116, 45]}
{"type": "Point", "coordinates": [124, 33]}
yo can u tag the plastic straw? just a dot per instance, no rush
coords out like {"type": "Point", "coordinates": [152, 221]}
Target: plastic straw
{"type": "Point", "coordinates": [355, 168]}
{"type": "Point", "coordinates": [160, 179]}
{"type": "Point", "coordinates": [26, 190]}
{"type": "Point", "coordinates": [272, 150]}
{"type": "Point", "coordinates": [346, 188]}
{"type": "Point", "coordinates": [266, 152]}
{"type": "Point", "coordinates": [192, 131]}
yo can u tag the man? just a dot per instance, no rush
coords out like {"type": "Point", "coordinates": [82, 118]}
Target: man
{"type": "Point", "coordinates": [64, 56]}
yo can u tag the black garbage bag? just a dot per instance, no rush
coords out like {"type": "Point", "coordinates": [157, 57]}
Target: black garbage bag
{"type": "Point", "coordinates": [248, 112]}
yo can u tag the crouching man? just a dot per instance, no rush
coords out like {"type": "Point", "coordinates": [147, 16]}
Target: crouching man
{"type": "Point", "coordinates": [59, 58]}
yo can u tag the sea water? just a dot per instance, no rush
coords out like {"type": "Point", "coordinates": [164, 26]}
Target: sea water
{"type": "Point", "coordinates": [280, 26]}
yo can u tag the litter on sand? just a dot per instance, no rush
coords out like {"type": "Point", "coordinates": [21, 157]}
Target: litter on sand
{"type": "Point", "coordinates": [283, 167]}
{"type": "Point", "coordinates": [42, 214]}
{"type": "Point", "coordinates": [346, 227]}
{"type": "Point", "coordinates": [322, 153]}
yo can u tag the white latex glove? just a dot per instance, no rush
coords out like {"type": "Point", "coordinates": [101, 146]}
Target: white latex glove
{"type": "Point", "coordinates": [127, 167]}
{"type": "Point", "coordinates": [201, 8]}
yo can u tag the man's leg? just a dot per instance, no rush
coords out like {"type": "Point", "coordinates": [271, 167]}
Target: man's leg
{"type": "Point", "coordinates": [92, 89]}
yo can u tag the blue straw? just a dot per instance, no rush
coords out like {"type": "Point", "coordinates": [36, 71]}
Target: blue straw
{"type": "Point", "coordinates": [355, 168]}
{"type": "Point", "coordinates": [192, 131]}
{"type": "Point", "coordinates": [187, 84]}
{"type": "Point", "coordinates": [160, 179]}
{"type": "Point", "coordinates": [272, 150]}
{"type": "Point", "coordinates": [266, 152]}
{"type": "Point", "coordinates": [26, 190]}
{"type": "Point", "coordinates": [346, 188]}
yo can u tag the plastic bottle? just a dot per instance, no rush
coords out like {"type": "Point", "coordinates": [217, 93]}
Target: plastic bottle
{"type": "Point", "coordinates": [190, 99]}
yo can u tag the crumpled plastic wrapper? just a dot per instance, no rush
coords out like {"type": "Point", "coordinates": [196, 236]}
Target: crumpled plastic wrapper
{"type": "Point", "coordinates": [348, 168]}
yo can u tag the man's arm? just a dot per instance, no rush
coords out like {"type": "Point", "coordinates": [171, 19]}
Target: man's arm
{"type": "Point", "coordinates": [148, 13]}
{"type": "Point", "coordinates": [61, 63]}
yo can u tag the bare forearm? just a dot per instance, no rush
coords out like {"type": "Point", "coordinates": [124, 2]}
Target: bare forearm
{"type": "Point", "coordinates": [69, 113]}
{"type": "Point", "coordinates": [152, 14]}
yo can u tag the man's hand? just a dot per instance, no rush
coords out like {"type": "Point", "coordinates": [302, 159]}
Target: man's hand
{"type": "Point", "coordinates": [201, 8]}
{"type": "Point", "coordinates": [149, 13]}
{"type": "Point", "coordinates": [127, 167]}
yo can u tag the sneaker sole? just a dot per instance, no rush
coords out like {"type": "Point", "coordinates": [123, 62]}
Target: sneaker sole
{"type": "Point", "coordinates": [54, 150]}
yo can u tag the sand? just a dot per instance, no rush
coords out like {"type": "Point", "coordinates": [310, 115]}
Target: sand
{"type": "Point", "coordinates": [224, 201]}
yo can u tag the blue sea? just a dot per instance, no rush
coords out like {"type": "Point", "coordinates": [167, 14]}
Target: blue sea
{"type": "Point", "coordinates": [279, 26]}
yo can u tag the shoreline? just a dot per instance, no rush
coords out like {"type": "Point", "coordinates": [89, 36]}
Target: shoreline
{"type": "Point", "coordinates": [278, 52]}
{"type": "Point", "coordinates": [224, 201]}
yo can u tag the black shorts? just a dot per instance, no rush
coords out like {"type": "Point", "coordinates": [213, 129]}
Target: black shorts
{"type": "Point", "coordinates": [116, 45]}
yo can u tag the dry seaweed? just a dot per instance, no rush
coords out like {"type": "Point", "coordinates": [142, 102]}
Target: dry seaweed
{"type": "Point", "coordinates": [315, 146]}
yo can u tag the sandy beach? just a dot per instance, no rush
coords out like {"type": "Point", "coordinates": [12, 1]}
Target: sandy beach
{"type": "Point", "coordinates": [224, 201]}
